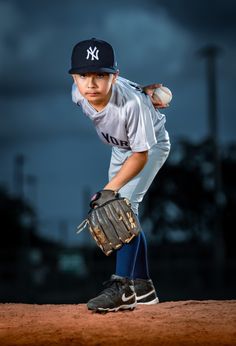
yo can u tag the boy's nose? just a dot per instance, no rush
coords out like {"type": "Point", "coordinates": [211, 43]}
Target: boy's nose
{"type": "Point", "coordinates": [91, 82]}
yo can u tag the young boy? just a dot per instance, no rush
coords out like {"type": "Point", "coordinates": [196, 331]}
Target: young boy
{"type": "Point", "coordinates": [126, 119]}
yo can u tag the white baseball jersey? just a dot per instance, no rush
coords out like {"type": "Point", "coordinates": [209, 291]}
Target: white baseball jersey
{"type": "Point", "coordinates": [128, 121]}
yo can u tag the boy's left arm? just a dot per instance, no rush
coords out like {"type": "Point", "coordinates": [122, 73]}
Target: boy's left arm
{"type": "Point", "coordinates": [130, 168]}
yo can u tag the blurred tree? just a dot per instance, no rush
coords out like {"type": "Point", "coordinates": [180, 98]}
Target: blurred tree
{"type": "Point", "coordinates": [16, 220]}
{"type": "Point", "coordinates": [229, 187]}
{"type": "Point", "coordinates": [17, 227]}
{"type": "Point", "coordinates": [181, 197]}
{"type": "Point", "coordinates": [19, 239]}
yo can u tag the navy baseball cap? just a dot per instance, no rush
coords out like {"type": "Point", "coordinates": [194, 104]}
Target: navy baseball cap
{"type": "Point", "coordinates": [93, 56]}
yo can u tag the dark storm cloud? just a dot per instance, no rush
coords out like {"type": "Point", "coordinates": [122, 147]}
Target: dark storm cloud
{"type": "Point", "coordinates": [212, 18]}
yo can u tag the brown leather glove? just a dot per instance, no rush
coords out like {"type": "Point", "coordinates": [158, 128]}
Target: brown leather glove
{"type": "Point", "coordinates": [111, 221]}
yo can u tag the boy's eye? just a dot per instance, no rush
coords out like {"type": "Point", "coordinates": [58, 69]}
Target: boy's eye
{"type": "Point", "coordinates": [101, 75]}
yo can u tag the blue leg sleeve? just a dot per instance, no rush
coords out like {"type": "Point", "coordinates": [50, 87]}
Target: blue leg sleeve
{"type": "Point", "coordinates": [141, 270]}
{"type": "Point", "coordinates": [131, 259]}
{"type": "Point", "coordinates": [125, 258]}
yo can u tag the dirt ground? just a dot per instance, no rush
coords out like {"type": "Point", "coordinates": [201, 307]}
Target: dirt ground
{"type": "Point", "coordinates": [182, 323]}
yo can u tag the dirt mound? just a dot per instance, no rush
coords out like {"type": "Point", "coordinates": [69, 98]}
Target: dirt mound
{"type": "Point", "coordinates": [170, 323]}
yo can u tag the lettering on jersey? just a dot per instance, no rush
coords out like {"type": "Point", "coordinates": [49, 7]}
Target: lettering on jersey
{"type": "Point", "coordinates": [92, 53]}
{"type": "Point", "coordinates": [106, 136]}
{"type": "Point", "coordinates": [113, 140]}
{"type": "Point", "coordinates": [124, 143]}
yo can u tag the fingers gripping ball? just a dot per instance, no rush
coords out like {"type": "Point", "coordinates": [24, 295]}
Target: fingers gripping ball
{"type": "Point", "coordinates": [162, 95]}
{"type": "Point", "coordinates": [111, 221]}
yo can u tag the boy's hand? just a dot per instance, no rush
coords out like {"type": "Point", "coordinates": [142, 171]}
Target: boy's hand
{"type": "Point", "coordinates": [149, 89]}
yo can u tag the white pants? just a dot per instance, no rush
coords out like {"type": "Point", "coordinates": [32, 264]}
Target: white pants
{"type": "Point", "coordinates": [136, 188]}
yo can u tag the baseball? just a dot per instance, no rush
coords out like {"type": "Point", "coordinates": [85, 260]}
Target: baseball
{"type": "Point", "coordinates": [162, 95]}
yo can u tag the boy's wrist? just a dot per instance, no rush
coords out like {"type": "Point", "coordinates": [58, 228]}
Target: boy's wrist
{"type": "Point", "coordinates": [112, 187]}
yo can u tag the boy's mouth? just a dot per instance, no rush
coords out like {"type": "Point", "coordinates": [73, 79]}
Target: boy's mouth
{"type": "Point", "coordinates": [92, 93]}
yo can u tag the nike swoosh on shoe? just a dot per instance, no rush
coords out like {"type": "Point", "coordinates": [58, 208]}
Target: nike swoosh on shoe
{"type": "Point", "coordinates": [145, 295]}
{"type": "Point", "coordinates": [124, 298]}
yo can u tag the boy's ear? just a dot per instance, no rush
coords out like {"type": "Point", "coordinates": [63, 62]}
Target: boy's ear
{"type": "Point", "coordinates": [115, 76]}
{"type": "Point", "coordinates": [73, 76]}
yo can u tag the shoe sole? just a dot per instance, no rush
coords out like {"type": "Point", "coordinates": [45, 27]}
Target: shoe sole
{"type": "Point", "coordinates": [121, 307]}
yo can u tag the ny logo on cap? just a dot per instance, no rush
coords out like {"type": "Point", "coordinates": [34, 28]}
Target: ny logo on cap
{"type": "Point", "coordinates": [92, 53]}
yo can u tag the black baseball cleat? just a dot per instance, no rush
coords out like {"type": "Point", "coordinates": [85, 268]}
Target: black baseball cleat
{"type": "Point", "coordinates": [145, 292]}
{"type": "Point", "coordinates": [118, 295]}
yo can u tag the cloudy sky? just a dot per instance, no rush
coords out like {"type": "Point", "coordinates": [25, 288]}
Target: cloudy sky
{"type": "Point", "coordinates": [155, 41]}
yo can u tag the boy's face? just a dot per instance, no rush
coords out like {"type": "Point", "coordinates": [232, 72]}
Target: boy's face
{"type": "Point", "coordinates": [95, 87]}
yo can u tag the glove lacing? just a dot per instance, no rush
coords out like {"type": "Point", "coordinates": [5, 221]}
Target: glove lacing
{"type": "Point", "coordinates": [82, 226]}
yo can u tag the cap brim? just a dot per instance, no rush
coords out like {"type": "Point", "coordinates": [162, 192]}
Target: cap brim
{"type": "Point", "coordinates": [92, 69]}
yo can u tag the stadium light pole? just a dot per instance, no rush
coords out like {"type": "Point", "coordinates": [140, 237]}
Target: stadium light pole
{"type": "Point", "coordinates": [210, 53]}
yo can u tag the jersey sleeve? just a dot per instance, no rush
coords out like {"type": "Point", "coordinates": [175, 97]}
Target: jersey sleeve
{"type": "Point", "coordinates": [76, 96]}
{"type": "Point", "coordinates": [139, 126]}
{"type": "Point", "coordinates": [129, 83]}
